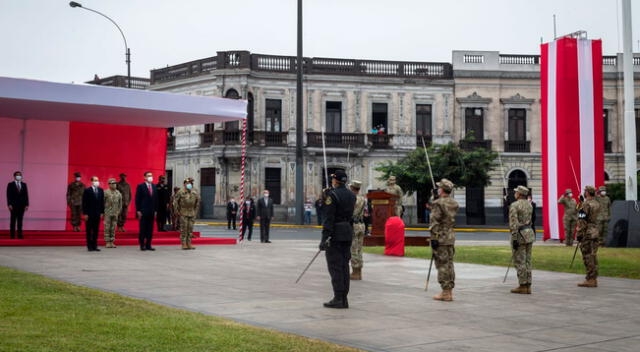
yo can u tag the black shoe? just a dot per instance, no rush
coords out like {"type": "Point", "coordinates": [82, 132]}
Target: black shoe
{"type": "Point", "coordinates": [143, 249]}
{"type": "Point", "coordinates": [267, 241]}
{"type": "Point", "coordinates": [89, 249]}
{"type": "Point", "coordinates": [151, 249]}
{"type": "Point", "coordinates": [338, 303]}
{"type": "Point", "coordinates": [96, 249]}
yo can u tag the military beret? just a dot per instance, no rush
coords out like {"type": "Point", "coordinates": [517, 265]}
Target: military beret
{"type": "Point", "coordinates": [123, 174]}
{"type": "Point", "coordinates": [340, 175]}
{"type": "Point", "coordinates": [356, 184]}
{"type": "Point", "coordinates": [590, 189]}
{"type": "Point", "coordinates": [602, 188]}
{"type": "Point", "coordinates": [568, 190]}
{"type": "Point", "coordinates": [445, 185]}
{"type": "Point", "coordinates": [76, 174]}
{"type": "Point", "coordinates": [522, 190]}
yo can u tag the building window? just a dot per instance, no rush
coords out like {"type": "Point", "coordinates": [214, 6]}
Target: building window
{"type": "Point", "coordinates": [207, 191]}
{"type": "Point", "coordinates": [379, 118]}
{"type": "Point", "coordinates": [208, 127]}
{"type": "Point", "coordinates": [232, 126]}
{"type": "Point", "coordinates": [517, 124]}
{"type": "Point", "coordinates": [474, 122]}
{"type": "Point", "coordinates": [334, 116]}
{"type": "Point", "coordinates": [249, 112]}
{"type": "Point", "coordinates": [423, 119]}
{"type": "Point", "coordinates": [273, 115]}
{"type": "Point", "coordinates": [272, 183]}
{"type": "Point", "coordinates": [638, 130]}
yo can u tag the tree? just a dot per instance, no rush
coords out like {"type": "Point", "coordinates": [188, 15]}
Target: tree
{"type": "Point", "coordinates": [463, 168]}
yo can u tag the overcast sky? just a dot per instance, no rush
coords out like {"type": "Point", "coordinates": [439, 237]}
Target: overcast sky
{"type": "Point", "coordinates": [46, 39]}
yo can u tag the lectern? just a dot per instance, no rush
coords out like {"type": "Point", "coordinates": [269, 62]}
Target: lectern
{"type": "Point", "coordinates": [382, 208]}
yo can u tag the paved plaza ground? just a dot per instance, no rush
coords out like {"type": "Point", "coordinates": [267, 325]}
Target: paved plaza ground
{"type": "Point", "coordinates": [253, 283]}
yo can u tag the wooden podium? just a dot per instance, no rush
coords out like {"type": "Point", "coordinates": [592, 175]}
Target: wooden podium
{"type": "Point", "coordinates": [382, 207]}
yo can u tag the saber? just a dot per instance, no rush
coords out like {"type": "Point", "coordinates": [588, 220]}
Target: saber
{"type": "Point", "coordinates": [311, 262]}
{"type": "Point", "coordinates": [324, 154]}
{"type": "Point", "coordinates": [574, 176]}
{"type": "Point", "coordinates": [508, 267]}
{"type": "Point", "coordinates": [574, 255]}
{"type": "Point", "coordinates": [426, 286]}
{"type": "Point", "coordinates": [504, 182]}
{"type": "Point", "coordinates": [424, 146]}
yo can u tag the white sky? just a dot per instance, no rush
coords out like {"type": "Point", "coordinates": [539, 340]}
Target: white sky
{"type": "Point", "coordinates": [47, 39]}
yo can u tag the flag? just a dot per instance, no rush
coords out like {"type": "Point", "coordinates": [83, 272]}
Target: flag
{"type": "Point", "coordinates": [572, 124]}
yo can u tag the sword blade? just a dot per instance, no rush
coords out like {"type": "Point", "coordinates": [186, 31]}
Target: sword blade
{"type": "Point", "coordinates": [308, 265]}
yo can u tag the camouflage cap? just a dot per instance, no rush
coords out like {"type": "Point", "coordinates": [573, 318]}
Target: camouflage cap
{"type": "Point", "coordinates": [522, 190]}
{"type": "Point", "coordinates": [111, 180]}
{"type": "Point", "coordinates": [76, 174]}
{"type": "Point", "coordinates": [356, 184]}
{"type": "Point", "coordinates": [568, 190]}
{"type": "Point", "coordinates": [590, 189]}
{"type": "Point", "coordinates": [445, 185]}
{"type": "Point", "coordinates": [188, 180]}
{"type": "Point", "coordinates": [602, 188]}
{"type": "Point", "coordinates": [392, 178]}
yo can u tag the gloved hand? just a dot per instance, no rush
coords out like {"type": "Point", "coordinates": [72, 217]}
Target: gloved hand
{"type": "Point", "coordinates": [515, 245]}
{"type": "Point", "coordinates": [435, 193]}
{"type": "Point", "coordinates": [581, 198]}
{"type": "Point", "coordinates": [435, 244]}
{"type": "Point", "coordinates": [324, 245]}
{"type": "Point", "coordinates": [579, 238]}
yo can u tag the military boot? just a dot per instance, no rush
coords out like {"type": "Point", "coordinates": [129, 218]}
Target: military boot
{"type": "Point", "coordinates": [338, 302]}
{"type": "Point", "coordinates": [522, 289]}
{"type": "Point", "coordinates": [107, 244]}
{"type": "Point", "coordinates": [356, 274]}
{"type": "Point", "coordinates": [445, 295]}
{"type": "Point", "coordinates": [189, 245]}
{"type": "Point", "coordinates": [113, 244]}
{"type": "Point", "coordinates": [589, 283]}
{"type": "Point", "coordinates": [184, 244]}
{"type": "Point", "coordinates": [528, 289]}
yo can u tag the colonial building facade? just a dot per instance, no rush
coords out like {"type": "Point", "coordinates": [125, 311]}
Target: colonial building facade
{"type": "Point", "coordinates": [372, 112]}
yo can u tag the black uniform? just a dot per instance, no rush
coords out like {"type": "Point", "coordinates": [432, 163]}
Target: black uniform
{"type": "Point", "coordinates": [164, 197]}
{"type": "Point", "coordinates": [337, 214]}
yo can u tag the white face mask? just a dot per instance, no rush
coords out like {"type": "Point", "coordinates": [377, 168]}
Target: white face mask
{"type": "Point", "coordinates": [18, 178]}
{"type": "Point", "coordinates": [266, 195]}
{"type": "Point", "coordinates": [569, 195]}
{"type": "Point", "coordinates": [233, 200]}
{"type": "Point", "coordinates": [150, 179]}
{"type": "Point", "coordinates": [77, 179]}
{"type": "Point", "coordinates": [603, 193]}
{"type": "Point", "coordinates": [96, 183]}
{"type": "Point", "coordinates": [189, 186]}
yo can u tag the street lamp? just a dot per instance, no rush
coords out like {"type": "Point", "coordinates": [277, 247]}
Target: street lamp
{"type": "Point", "coordinates": [127, 51]}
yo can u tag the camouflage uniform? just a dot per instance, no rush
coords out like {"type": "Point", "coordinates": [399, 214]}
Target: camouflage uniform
{"type": "Point", "coordinates": [521, 231]}
{"type": "Point", "coordinates": [358, 230]}
{"type": "Point", "coordinates": [393, 188]}
{"type": "Point", "coordinates": [443, 219]}
{"type": "Point", "coordinates": [125, 190]}
{"type": "Point", "coordinates": [570, 218]}
{"type": "Point", "coordinates": [603, 216]}
{"type": "Point", "coordinates": [112, 208]}
{"type": "Point", "coordinates": [589, 237]}
{"type": "Point", "coordinates": [75, 190]}
{"type": "Point", "coordinates": [186, 204]}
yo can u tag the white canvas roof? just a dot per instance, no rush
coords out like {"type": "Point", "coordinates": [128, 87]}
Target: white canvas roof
{"type": "Point", "coordinates": [42, 100]}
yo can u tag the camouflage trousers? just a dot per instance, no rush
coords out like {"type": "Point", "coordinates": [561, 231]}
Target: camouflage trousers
{"type": "Point", "coordinates": [589, 250]}
{"type": "Point", "coordinates": [569, 230]}
{"type": "Point", "coordinates": [398, 210]}
{"type": "Point", "coordinates": [76, 215]}
{"type": "Point", "coordinates": [122, 218]}
{"type": "Point", "coordinates": [443, 256]}
{"type": "Point", "coordinates": [522, 262]}
{"type": "Point", "coordinates": [603, 231]}
{"type": "Point", "coordinates": [356, 245]}
{"type": "Point", "coordinates": [110, 222]}
{"type": "Point", "coordinates": [186, 227]}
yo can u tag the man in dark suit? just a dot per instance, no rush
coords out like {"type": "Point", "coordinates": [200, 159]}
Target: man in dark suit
{"type": "Point", "coordinates": [164, 196]}
{"type": "Point", "coordinates": [17, 202]}
{"type": "Point", "coordinates": [248, 216]}
{"type": "Point", "coordinates": [146, 208]}
{"type": "Point", "coordinates": [93, 210]}
{"type": "Point", "coordinates": [265, 213]}
{"type": "Point", "coordinates": [232, 213]}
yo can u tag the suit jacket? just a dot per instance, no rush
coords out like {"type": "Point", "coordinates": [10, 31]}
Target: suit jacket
{"type": "Point", "coordinates": [15, 198]}
{"type": "Point", "coordinates": [232, 207]}
{"type": "Point", "coordinates": [146, 203]}
{"type": "Point", "coordinates": [92, 204]}
{"type": "Point", "coordinates": [265, 207]}
{"type": "Point", "coordinates": [249, 212]}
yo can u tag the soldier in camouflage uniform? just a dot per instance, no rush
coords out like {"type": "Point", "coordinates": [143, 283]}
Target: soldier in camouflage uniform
{"type": "Point", "coordinates": [589, 236]}
{"type": "Point", "coordinates": [570, 218]}
{"type": "Point", "coordinates": [125, 190]}
{"type": "Point", "coordinates": [175, 222]}
{"type": "Point", "coordinates": [74, 201]}
{"type": "Point", "coordinates": [112, 209]}
{"type": "Point", "coordinates": [358, 232]}
{"type": "Point", "coordinates": [604, 215]}
{"type": "Point", "coordinates": [522, 238]}
{"type": "Point", "coordinates": [186, 205]}
{"type": "Point", "coordinates": [393, 188]}
{"type": "Point", "coordinates": [443, 219]}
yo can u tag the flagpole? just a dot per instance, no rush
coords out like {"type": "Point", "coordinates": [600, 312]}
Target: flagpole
{"type": "Point", "coordinates": [631, 187]}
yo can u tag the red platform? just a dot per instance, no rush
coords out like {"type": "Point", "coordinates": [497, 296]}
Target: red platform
{"type": "Point", "coordinates": [128, 238]}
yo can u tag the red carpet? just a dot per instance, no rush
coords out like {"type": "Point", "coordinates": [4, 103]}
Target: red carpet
{"type": "Point", "coordinates": [68, 238]}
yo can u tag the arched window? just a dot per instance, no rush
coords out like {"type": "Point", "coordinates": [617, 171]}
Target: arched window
{"type": "Point", "coordinates": [232, 94]}
{"type": "Point", "coordinates": [517, 178]}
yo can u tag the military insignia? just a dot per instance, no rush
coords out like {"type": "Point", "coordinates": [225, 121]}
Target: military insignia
{"type": "Point", "coordinates": [328, 201]}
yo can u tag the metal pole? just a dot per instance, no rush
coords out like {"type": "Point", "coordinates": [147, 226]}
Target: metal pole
{"type": "Point", "coordinates": [554, 28]}
{"type": "Point", "coordinates": [128, 68]}
{"type": "Point", "coordinates": [630, 163]}
{"type": "Point", "coordinates": [299, 135]}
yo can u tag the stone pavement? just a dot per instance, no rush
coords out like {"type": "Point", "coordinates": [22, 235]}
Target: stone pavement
{"type": "Point", "coordinates": [254, 283]}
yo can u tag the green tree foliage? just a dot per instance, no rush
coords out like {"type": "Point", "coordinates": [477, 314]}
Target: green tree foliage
{"type": "Point", "coordinates": [616, 191]}
{"type": "Point", "coordinates": [463, 168]}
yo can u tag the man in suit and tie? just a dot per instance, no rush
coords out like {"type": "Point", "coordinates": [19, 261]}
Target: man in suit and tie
{"type": "Point", "coordinates": [232, 213]}
{"type": "Point", "coordinates": [146, 208]}
{"type": "Point", "coordinates": [17, 202]}
{"type": "Point", "coordinates": [265, 213]}
{"type": "Point", "coordinates": [93, 210]}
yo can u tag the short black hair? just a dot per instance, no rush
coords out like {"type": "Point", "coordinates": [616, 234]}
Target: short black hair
{"type": "Point", "coordinates": [16, 173]}
{"type": "Point", "coordinates": [146, 172]}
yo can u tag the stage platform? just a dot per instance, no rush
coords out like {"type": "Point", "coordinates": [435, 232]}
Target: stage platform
{"type": "Point", "coordinates": [128, 238]}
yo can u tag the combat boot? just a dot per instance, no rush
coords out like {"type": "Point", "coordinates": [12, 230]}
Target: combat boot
{"type": "Point", "coordinates": [113, 244]}
{"type": "Point", "coordinates": [445, 296]}
{"type": "Point", "coordinates": [338, 302]}
{"type": "Point", "coordinates": [589, 283]}
{"type": "Point", "coordinates": [184, 244]}
{"type": "Point", "coordinates": [356, 274]}
{"type": "Point", "coordinates": [189, 245]}
{"type": "Point", "coordinates": [107, 244]}
{"type": "Point", "coordinates": [522, 289]}
{"type": "Point", "coordinates": [528, 289]}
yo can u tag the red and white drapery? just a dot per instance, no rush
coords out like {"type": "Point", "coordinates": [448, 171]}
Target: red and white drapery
{"type": "Point", "coordinates": [572, 123]}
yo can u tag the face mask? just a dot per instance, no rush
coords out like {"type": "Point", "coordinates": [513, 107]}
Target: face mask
{"type": "Point", "coordinates": [112, 185]}
{"type": "Point", "coordinates": [266, 195]}
{"type": "Point", "coordinates": [569, 195]}
{"type": "Point", "coordinates": [233, 201]}
{"type": "Point", "coordinates": [96, 183]}
{"type": "Point", "coordinates": [18, 178]}
{"type": "Point", "coordinates": [189, 186]}
{"type": "Point", "coordinates": [604, 193]}
{"type": "Point", "coordinates": [150, 179]}
{"type": "Point", "coordinates": [77, 179]}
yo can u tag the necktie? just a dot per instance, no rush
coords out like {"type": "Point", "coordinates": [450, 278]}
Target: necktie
{"type": "Point", "coordinates": [19, 186]}
{"type": "Point", "coordinates": [149, 187]}
{"type": "Point", "coordinates": [95, 191]}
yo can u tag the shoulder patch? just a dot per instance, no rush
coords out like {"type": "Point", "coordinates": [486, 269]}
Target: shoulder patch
{"type": "Point", "coordinates": [328, 201]}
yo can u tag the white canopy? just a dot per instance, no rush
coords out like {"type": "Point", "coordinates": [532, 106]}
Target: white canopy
{"type": "Point", "coordinates": [41, 100]}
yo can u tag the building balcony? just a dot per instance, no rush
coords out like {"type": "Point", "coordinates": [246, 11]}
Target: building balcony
{"type": "Point", "coordinates": [470, 145]}
{"type": "Point", "coordinates": [268, 139]}
{"type": "Point", "coordinates": [517, 146]}
{"type": "Point", "coordinates": [336, 140]}
{"type": "Point", "coordinates": [380, 141]}
{"type": "Point", "coordinates": [122, 81]}
{"type": "Point", "coordinates": [607, 147]}
{"type": "Point", "coordinates": [427, 140]}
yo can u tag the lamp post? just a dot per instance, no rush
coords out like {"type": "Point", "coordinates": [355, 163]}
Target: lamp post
{"type": "Point", "coordinates": [299, 125]}
{"type": "Point", "coordinates": [127, 50]}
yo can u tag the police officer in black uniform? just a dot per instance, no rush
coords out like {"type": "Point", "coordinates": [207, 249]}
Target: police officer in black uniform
{"type": "Point", "coordinates": [337, 233]}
